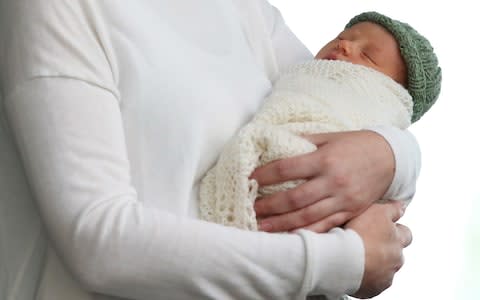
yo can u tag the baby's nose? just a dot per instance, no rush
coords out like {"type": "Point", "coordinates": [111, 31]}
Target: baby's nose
{"type": "Point", "coordinates": [346, 47]}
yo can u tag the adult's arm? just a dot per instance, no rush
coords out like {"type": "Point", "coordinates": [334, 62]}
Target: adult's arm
{"type": "Point", "coordinates": [70, 136]}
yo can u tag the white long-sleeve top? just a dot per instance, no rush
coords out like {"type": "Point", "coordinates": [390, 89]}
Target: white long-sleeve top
{"type": "Point", "coordinates": [117, 110]}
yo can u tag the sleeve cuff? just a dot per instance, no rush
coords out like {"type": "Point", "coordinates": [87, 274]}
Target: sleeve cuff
{"type": "Point", "coordinates": [334, 263]}
{"type": "Point", "coordinates": [407, 162]}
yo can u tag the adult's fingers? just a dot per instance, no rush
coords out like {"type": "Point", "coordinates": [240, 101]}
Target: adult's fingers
{"type": "Point", "coordinates": [297, 167]}
{"type": "Point", "coordinates": [329, 222]}
{"type": "Point", "coordinates": [301, 196]}
{"type": "Point", "coordinates": [300, 218]}
{"type": "Point", "coordinates": [405, 235]}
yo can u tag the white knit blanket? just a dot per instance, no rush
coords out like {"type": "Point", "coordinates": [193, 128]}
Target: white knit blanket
{"type": "Point", "coordinates": [318, 96]}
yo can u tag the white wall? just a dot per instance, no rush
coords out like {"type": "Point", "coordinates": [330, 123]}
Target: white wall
{"type": "Point", "coordinates": [443, 263]}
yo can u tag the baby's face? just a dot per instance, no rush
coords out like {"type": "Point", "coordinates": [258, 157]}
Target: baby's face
{"type": "Point", "coordinates": [370, 45]}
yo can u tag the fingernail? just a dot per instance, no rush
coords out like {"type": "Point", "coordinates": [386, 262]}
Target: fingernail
{"type": "Point", "coordinates": [263, 226]}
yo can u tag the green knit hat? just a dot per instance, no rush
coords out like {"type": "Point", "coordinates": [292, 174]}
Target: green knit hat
{"type": "Point", "coordinates": [424, 74]}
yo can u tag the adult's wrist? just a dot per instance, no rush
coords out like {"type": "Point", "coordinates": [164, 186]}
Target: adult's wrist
{"type": "Point", "coordinates": [335, 262]}
{"type": "Point", "coordinates": [407, 156]}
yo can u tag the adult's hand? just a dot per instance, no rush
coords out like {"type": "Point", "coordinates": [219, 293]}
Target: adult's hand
{"type": "Point", "coordinates": [384, 241]}
{"type": "Point", "coordinates": [345, 175]}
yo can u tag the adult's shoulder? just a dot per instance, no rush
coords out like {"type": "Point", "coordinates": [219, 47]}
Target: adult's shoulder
{"type": "Point", "coordinates": [57, 38]}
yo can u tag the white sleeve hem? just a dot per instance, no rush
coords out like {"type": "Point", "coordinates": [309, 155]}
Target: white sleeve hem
{"type": "Point", "coordinates": [335, 263]}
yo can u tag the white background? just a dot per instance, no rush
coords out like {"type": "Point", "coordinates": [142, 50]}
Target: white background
{"type": "Point", "coordinates": [443, 263]}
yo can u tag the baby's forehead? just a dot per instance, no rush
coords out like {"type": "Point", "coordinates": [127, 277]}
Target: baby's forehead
{"type": "Point", "coordinates": [374, 35]}
{"type": "Point", "coordinates": [368, 28]}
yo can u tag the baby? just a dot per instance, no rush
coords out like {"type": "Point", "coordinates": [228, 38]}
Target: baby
{"type": "Point", "coordinates": [378, 71]}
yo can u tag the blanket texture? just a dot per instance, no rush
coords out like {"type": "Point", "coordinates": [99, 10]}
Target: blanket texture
{"type": "Point", "coordinates": [314, 97]}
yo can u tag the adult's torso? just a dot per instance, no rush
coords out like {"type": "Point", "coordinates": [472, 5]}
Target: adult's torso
{"type": "Point", "coordinates": [187, 80]}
